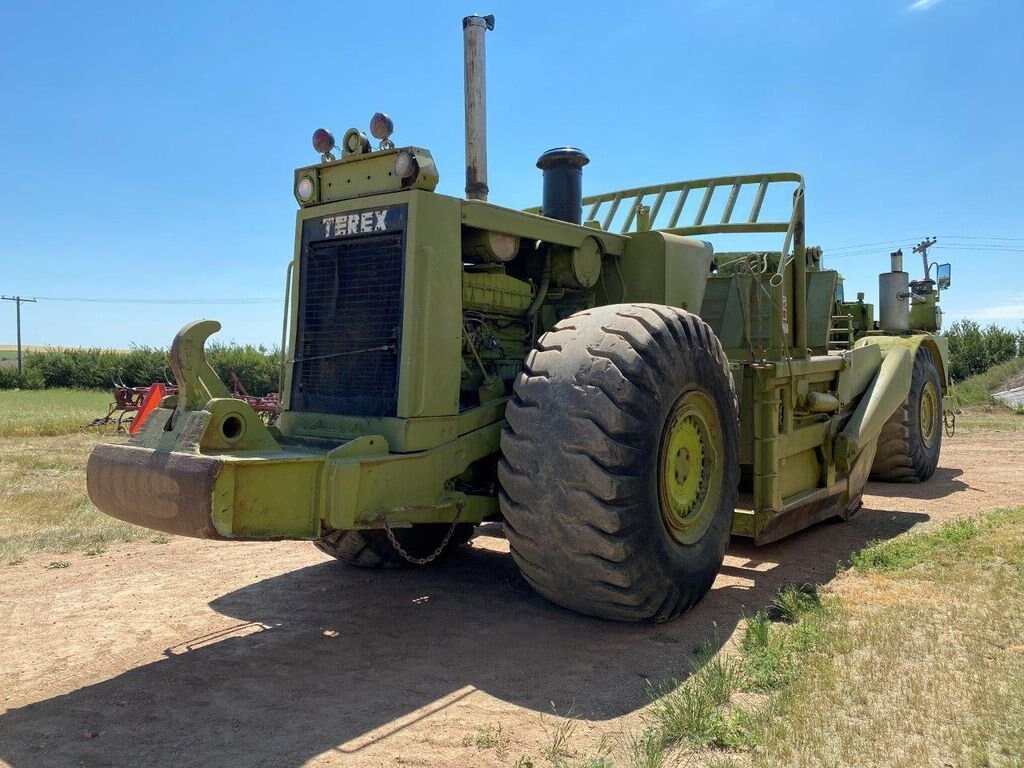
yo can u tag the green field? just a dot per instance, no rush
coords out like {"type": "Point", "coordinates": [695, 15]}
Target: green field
{"type": "Point", "coordinates": [48, 412]}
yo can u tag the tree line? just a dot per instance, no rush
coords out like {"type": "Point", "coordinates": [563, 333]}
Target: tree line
{"type": "Point", "coordinates": [257, 367]}
{"type": "Point", "coordinates": [974, 349]}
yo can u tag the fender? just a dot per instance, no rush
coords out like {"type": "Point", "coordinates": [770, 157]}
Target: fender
{"type": "Point", "coordinates": [937, 345]}
{"type": "Point", "coordinates": [888, 390]}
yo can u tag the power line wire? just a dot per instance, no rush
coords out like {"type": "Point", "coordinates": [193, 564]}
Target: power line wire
{"type": "Point", "coordinates": [973, 237]}
{"type": "Point", "coordinates": [870, 252]}
{"type": "Point", "coordinates": [867, 245]}
{"type": "Point", "coordinates": [970, 243]}
{"type": "Point", "coordinates": [211, 302]}
{"type": "Point", "coordinates": [984, 248]}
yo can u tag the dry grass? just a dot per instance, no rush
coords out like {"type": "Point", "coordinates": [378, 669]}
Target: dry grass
{"type": "Point", "coordinates": [43, 504]}
{"type": "Point", "coordinates": [28, 413]}
{"type": "Point", "coordinates": [43, 451]}
{"type": "Point", "coordinates": [914, 658]}
{"type": "Point", "coordinates": [989, 418]}
{"type": "Point", "coordinates": [980, 411]}
{"type": "Point", "coordinates": [924, 664]}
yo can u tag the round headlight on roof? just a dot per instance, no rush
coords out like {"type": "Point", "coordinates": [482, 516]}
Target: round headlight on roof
{"type": "Point", "coordinates": [304, 189]}
{"type": "Point", "coordinates": [323, 141]}
{"type": "Point", "coordinates": [381, 126]}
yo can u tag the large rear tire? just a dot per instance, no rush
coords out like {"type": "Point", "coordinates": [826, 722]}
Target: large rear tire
{"type": "Point", "coordinates": [910, 442]}
{"type": "Point", "coordinates": [620, 462]}
{"type": "Point", "coordinates": [373, 549]}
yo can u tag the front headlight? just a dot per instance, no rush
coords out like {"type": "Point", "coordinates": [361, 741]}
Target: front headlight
{"type": "Point", "coordinates": [406, 166]}
{"type": "Point", "coordinates": [304, 189]}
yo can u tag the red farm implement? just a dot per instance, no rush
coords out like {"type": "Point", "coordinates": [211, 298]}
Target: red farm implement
{"type": "Point", "coordinates": [267, 407]}
{"type": "Point", "coordinates": [128, 401]}
{"type": "Point", "coordinates": [132, 404]}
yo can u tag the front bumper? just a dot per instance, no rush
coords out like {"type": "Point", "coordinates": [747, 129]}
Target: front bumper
{"type": "Point", "coordinates": [169, 492]}
{"type": "Point", "coordinates": [180, 475]}
{"type": "Point", "coordinates": [243, 496]}
{"type": "Point", "coordinates": [204, 465]}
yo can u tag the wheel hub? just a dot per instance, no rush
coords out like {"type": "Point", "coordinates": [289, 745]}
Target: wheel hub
{"type": "Point", "coordinates": [929, 415]}
{"type": "Point", "coordinates": [689, 478]}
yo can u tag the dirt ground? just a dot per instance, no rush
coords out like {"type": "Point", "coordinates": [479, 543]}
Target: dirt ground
{"type": "Point", "coordinates": [235, 654]}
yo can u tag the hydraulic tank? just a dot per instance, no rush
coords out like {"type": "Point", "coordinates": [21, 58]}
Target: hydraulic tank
{"type": "Point", "coordinates": [894, 301]}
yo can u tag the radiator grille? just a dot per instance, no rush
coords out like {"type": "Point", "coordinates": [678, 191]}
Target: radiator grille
{"type": "Point", "coordinates": [350, 320]}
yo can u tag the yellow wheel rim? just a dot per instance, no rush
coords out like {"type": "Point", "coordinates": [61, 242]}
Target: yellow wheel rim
{"type": "Point", "coordinates": [690, 467]}
{"type": "Point", "coordinates": [929, 415]}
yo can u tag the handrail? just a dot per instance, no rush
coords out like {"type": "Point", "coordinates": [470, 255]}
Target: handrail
{"type": "Point", "coordinates": [285, 323]}
{"type": "Point", "coordinates": [642, 216]}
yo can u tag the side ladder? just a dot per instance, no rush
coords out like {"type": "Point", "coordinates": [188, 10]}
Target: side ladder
{"type": "Point", "coordinates": [840, 333]}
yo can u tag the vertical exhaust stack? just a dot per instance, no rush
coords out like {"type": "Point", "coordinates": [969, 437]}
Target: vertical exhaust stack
{"type": "Point", "coordinates": [473, 29]}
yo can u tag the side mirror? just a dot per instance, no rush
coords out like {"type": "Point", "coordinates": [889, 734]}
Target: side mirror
{"type": "Point", "coordinates": [943, 276]}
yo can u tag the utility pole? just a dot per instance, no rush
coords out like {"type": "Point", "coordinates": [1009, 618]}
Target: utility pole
{"type": "Point", "coordinates": [18, 301]}
{"type": "Point", "coordinates": [922, 248]}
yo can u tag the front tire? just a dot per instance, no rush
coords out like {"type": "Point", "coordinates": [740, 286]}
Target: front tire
{"type": "Point", "coordinates": [910, 442]}
{"type": "Point", "coordinates": [620, 469]}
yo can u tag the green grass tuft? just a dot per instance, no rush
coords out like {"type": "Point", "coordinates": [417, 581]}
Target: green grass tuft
{"type": "Point", "coordinates": [716, 674]}
{"type": "Point", "coordinates": [684, 713]}
{"type": "Point", "coordinates": [793, 601]}
{"type": "Point", "coordinates": [694, 711]}
{"type": "Point", "coordinates": [701, 711]}
{"type": "Point", "coordinates": [489, 737]}
{"type": "Point", "coordinates": [560, 733]}
{"type": "Point", "coordinates": [645, 750]}
{"type": "Point", "coordinates": [774, 640]}
{"type": "Point", "coordinates": [767, 660]}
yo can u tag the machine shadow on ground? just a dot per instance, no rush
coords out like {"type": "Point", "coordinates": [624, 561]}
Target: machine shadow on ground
{"type": "Point", "coordinates": [945, 482]}
{"type": "Point", "coordinates": [331, 658]}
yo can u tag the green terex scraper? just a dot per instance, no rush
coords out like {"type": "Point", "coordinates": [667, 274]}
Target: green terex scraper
{"type": "Point", "coordinates": [619, 394]}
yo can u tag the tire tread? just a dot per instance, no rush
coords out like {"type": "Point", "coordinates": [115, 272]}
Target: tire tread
{"type": "Point", "coordinates": [901, 456]}
{"type": "Point", "coordinates": [578, 533]}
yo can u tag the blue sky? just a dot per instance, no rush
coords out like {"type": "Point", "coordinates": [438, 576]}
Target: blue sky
{"type": "Point", "coordinates": [147, 153]}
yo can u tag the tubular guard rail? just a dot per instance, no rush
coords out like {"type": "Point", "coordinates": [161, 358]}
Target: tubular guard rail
{"type": "Point", "coordinates": [642, 217]}
{"type": "Point", "coordinates": [677, 193]}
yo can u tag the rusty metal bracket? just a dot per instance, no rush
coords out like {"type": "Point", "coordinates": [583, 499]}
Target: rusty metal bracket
{"type": "Point", "coordinates": [198, 383]}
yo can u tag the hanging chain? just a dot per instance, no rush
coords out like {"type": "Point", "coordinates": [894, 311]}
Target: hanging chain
{"type": "Point", "coordinates": [949, 422]}
{"type": "Point", "coordinates": [459, 506]}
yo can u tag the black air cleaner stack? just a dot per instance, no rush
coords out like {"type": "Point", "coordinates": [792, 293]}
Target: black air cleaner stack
{"type": "Point", "coordinates": [563, 183]}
